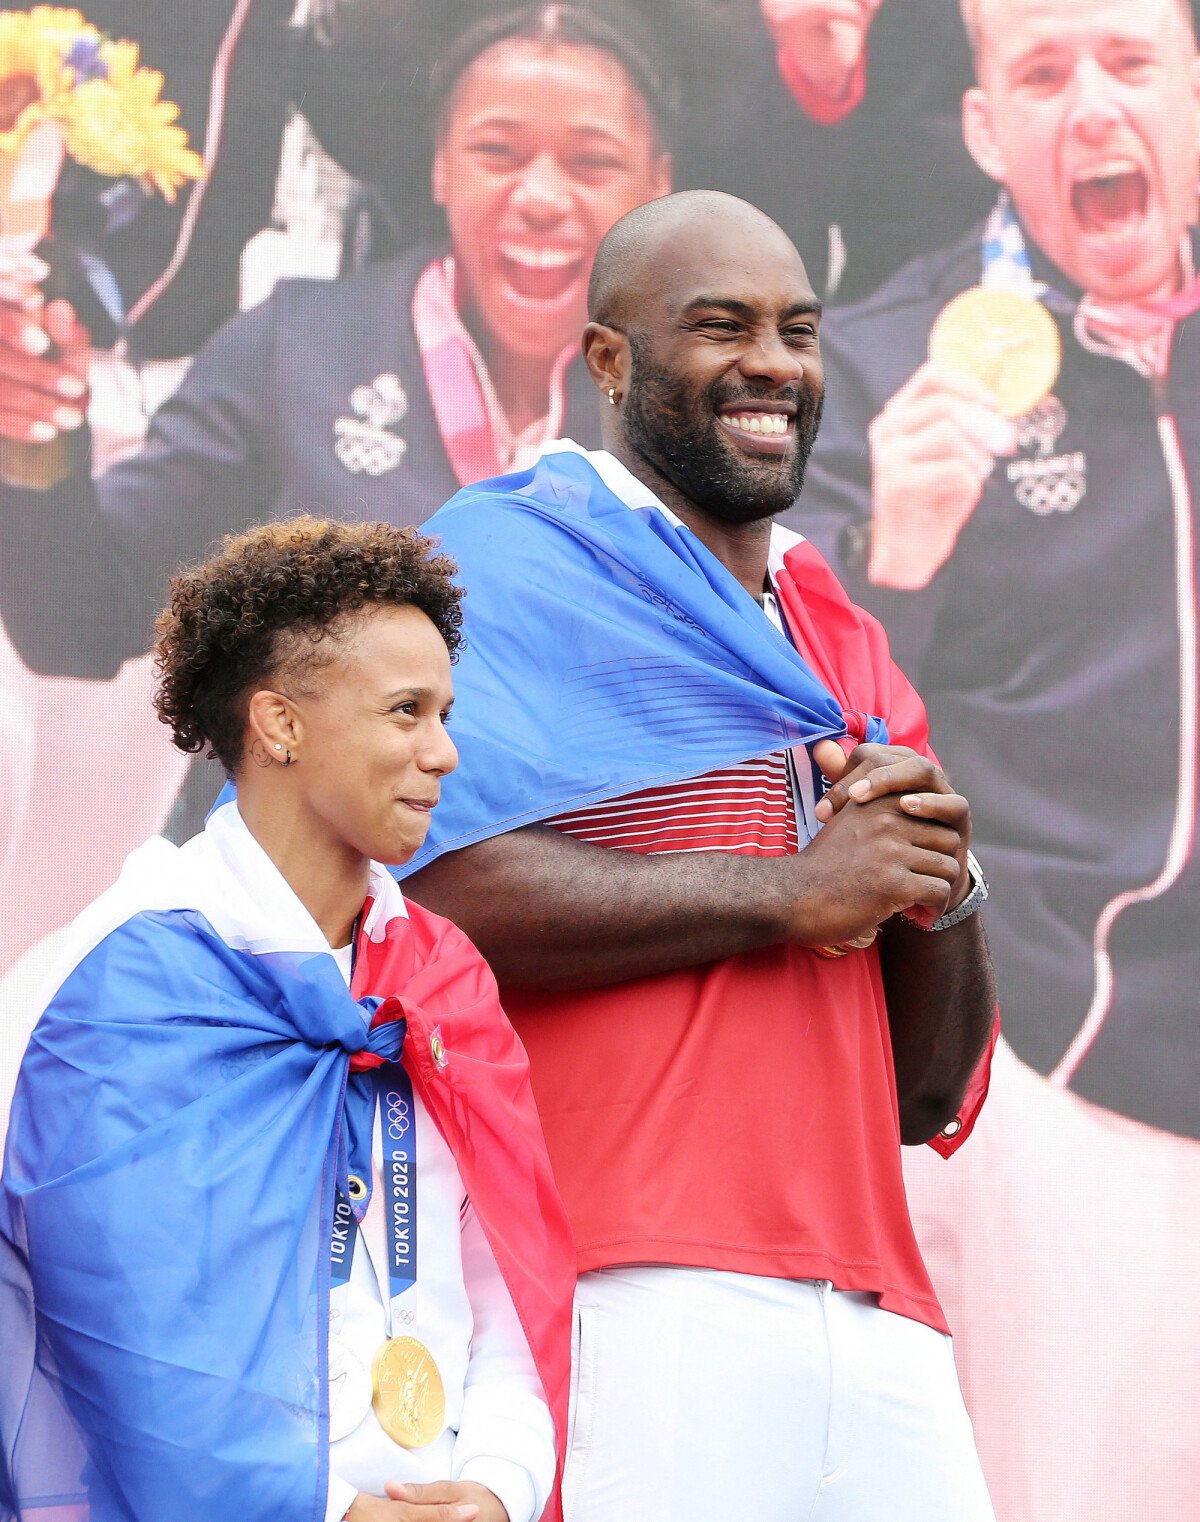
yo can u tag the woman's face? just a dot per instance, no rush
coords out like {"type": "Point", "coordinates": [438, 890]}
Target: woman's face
{"type": "Point", "coordinates": [545, 145]}
{"type": "Point", "coordinates": [371, 746]}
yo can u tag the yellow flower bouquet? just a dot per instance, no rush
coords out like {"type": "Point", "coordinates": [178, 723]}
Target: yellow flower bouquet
{"type": "Point", "coordinates": [56, 67]}
{"type": "Point", "coordinates": [69, 92]}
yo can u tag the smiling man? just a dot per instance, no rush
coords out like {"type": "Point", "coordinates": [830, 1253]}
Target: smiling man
{"type": "Point", "coordinates": [739, 992]}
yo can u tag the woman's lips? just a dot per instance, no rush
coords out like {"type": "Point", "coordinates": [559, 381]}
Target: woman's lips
{"type": "Point", "coordinates": [541, 274]}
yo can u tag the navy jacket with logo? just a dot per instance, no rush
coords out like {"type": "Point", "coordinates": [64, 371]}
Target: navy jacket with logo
{"type": "Point", "coordinates": [1049, 651]}
{"type": "Point", "coordinates": [249, 435]}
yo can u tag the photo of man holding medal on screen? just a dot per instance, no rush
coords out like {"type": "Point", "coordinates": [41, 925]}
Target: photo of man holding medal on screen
{"type": "Point", "coordinates": [1006, 477]}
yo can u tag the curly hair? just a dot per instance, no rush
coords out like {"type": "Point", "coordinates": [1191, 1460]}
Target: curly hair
{"type": "Point", "coordinates": [268, 601]}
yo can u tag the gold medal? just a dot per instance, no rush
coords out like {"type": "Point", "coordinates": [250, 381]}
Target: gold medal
{"type": "Point", "coordinates": [1008, 341]}
{"type": "Point", "coordinates": [408, 1396]}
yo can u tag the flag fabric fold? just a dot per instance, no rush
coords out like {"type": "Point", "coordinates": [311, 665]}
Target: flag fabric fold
{"type": "Point", "coordinates": [629, 654]}
{"type": "Point", "coordinates": [176, 1137]}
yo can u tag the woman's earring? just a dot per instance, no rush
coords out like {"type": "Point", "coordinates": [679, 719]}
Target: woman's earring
{"type": "Point", "coordinates": [612, 395]}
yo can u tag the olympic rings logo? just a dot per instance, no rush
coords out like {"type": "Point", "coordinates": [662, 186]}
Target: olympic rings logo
{"type": "Point", "coordinates": [398, 1115]}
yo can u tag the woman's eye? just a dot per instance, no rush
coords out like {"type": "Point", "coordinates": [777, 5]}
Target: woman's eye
{"type": "Point", "coordinates": [495, 153]}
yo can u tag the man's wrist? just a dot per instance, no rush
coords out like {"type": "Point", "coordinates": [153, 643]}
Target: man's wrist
{"type": "Point", "coordinates": [968, 902]}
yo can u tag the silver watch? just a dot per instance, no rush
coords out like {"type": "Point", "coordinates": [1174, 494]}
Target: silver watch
{"type": "Point", "coordinates": [974, 900]}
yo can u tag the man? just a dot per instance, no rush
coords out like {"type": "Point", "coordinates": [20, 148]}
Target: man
{"type": "Point", "coordinates": [1036, 578]}
{"type": "Point", "coordinates": [733, 1004]}
{"type": "Point", "coordinates": [1041, 567]}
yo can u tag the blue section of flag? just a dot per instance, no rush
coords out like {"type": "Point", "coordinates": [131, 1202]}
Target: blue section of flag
{"type": "Point", "coordinates": [607, 650]}
{"type": "Point", "coordinates": [168, 1187]}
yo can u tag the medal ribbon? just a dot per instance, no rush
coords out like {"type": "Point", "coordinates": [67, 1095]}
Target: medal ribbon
{"type": "Point", "coordinates": [378, 1076]}
{"type": "Point", "coordinates": [342, 1241]}
{"type": "Point", "coordinates": [1140, 333]}
{"type": "Point", "coordinates": [398, 1138]}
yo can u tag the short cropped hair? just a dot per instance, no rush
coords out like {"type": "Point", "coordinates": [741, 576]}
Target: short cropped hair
{"type": "Point", "coordinates": [265, 604]}
{"type": "Point", "coordinates": [608, 28]}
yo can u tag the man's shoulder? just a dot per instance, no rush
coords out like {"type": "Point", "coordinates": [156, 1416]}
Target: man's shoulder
{"type": "Point", "coordinates": [909, 300]}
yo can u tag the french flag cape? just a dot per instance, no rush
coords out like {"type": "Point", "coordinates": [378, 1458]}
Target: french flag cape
{"type": "Point", "coordinates": [177, 1133]}
{"type": "Point", "coordinates": [609, 650]}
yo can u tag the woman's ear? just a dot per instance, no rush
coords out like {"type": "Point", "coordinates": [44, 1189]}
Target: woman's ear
{"type": "Point", "coordinates": [274, 729]}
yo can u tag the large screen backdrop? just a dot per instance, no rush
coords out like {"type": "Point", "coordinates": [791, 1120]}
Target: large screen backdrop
{"type": "Point", "coordinates": [1017, 510]}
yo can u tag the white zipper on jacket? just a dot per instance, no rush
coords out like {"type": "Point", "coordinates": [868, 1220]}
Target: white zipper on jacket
{"type": "Point", "coordinates": [218, 91]}
{"type": "Point", "coordinates": [1183, 825]}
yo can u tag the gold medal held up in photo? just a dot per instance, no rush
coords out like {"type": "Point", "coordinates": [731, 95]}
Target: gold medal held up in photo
{"type": "Point", "coordinates": [1008, 341]}
{"type": "Point", "coordinates": [408, 1396]}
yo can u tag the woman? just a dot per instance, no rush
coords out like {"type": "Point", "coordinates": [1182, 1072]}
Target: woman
{"type": "Point", "coordinates": [377, 395]}
{"type": "Point", "coordinates": [275, 1188]}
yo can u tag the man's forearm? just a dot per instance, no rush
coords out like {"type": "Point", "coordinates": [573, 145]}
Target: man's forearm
{"type": "Point", "coordinates": [941, 1000]}
{"type": "Point", "coordinates": [551, 912]}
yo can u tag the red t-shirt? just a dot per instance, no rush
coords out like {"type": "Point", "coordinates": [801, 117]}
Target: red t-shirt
{"type": "Point", "coordinates": [740, 1115]}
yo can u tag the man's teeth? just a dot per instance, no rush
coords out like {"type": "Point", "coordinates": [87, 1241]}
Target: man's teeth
{"type": "Point", "coordinates": [759, 422]}
{"type": "Point", "coordinates": [539, 258]}
{"type": "Point", "coordinates": [1111, 169]}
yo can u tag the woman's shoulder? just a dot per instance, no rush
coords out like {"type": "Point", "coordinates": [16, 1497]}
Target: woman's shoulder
{"type": "Point", "coordinates": [375, 288]}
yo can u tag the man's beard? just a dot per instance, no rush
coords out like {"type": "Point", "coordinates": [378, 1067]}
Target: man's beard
{"type": "Point", "coordinates": [679, 435]}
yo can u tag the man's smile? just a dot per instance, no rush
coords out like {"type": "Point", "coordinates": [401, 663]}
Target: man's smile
{"type": "Point", "coordinates": [760, 427]}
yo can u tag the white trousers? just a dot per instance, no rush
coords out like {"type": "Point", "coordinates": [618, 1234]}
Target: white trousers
{"type": "Point", "coordinates": [701, 1395]}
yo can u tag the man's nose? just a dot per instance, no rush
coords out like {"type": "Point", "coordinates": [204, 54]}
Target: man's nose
{"type": "Point", "coordinates": [768, 358]}
{"type": "Point", "coordinates": [543, 192]}
{"type": "Point", "coordinates": [1095, 103]}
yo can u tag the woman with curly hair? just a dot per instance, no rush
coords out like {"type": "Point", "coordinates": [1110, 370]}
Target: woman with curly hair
{"type": "Point", "coordinates": [278, 1236]}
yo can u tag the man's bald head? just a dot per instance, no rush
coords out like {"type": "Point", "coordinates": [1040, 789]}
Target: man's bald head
{"type": "Point", "coordinates": [645, 248]}
{"type": "Point", "coordinates": [703, 337]}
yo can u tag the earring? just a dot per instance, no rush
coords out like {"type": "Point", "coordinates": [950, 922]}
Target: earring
{"type": "Point", "coordinates": [288, 762]}
{"type": "Point", "coordinates": [278, 746]}
{"type": "Point", "coordinates": [612, 395]}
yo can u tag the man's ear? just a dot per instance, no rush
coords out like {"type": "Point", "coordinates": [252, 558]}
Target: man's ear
{"type": "Point", "coordinates": [979, 136]}
{"type": "Point", "coordinates": [606, 354]}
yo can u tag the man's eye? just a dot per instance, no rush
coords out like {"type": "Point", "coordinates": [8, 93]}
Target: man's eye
{"type": "Point", "coordinates": [1042, 77]}
{"type": "Point", "coordinates": [1132, 66]}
